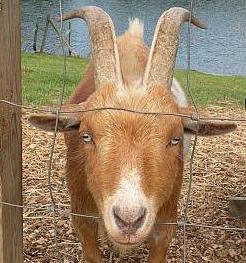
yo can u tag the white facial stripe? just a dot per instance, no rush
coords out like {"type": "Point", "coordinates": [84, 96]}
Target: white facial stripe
{"type": "Point", "coordinates": [129, 197]}
{"type": "Point", "coordinates": [129, 191]}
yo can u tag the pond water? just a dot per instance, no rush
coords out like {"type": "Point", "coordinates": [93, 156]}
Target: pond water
{"type": "Point", "coordinates": [221, 49]}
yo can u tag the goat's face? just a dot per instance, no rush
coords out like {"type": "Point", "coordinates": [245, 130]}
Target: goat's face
{"type": "Point", "coordinates": [132, 162]}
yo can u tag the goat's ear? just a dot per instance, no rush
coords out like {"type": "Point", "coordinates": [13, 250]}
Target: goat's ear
{"type": "Point", "coordinates": [205, 128]}
{"type": "Point", "coordinates": [68, 121]}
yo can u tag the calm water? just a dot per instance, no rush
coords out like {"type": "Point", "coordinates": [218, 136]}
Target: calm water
{"type": "Point", "coordinates": [221, 49]}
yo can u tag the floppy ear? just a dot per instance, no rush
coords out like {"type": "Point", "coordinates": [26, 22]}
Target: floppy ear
{"type": "Point", "coordinates": [205, 128]}
{"type": "Point", "coordinates": [66, 121]}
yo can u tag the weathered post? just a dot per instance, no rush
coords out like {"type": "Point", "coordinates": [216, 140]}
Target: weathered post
{"type": "Point", "coordinates": [11, 248]}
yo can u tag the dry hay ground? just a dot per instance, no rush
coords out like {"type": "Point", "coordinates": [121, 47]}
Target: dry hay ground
{"type": "Point", "coordinates": [219, 172]}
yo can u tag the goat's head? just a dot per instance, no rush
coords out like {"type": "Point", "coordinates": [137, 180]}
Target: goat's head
{"type": "Point", "coordinates": [133, 162]}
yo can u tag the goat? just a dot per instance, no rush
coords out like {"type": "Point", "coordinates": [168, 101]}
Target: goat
{"type": "Point", "coordinates": [124, 166]}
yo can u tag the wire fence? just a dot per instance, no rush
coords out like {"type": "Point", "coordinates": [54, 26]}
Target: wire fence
{"type": "Point", "coordinates": [57, 210]}
{"type": "Point", "coordinates": [37, 37]}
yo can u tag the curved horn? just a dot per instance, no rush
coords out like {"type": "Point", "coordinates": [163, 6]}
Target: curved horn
{"type": "Point", "coordinates": [104, 48]}
{"type": "Point", "coordinates": [159, 69]}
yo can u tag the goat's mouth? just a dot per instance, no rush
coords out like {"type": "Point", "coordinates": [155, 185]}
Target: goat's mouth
{"type": "Point", "coordinates": [126, 242]}
{"type": "Point", "coordinates": [128, 226]}
{"type": "Point", "coordinates": [127, 233]}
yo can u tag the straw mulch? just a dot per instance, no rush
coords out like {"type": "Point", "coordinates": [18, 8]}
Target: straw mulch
{"type": "Point", "coordinates": [219, 172]}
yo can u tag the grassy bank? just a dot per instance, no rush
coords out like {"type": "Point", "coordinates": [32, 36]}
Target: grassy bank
{"type": "Point", "coordinates": [43, 79]}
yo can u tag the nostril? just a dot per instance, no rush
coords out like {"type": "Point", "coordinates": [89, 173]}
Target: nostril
{"type": "Point", "coordinates": [140, 220]}
{"type": "Point", "coordinates": [119, 221]}
{"type": "Point", "coordinates": [129, 220]}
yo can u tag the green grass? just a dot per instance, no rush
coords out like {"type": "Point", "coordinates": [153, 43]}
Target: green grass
{"type": "Point", "coordinates": [43, 79]}
{"type": "Point", "coordinates": [208, 89]}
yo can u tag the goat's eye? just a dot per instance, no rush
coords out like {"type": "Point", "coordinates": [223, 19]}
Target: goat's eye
{"type": "Point", "coordinates": [87, 138]}
{"type": "Point", "coordinates": [175, 141]}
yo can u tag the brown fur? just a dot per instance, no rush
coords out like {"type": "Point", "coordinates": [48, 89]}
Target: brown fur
{"type": "Point", "coordinates": [134, 139]}
{"type": "Point", "coordinates": [124, 140]}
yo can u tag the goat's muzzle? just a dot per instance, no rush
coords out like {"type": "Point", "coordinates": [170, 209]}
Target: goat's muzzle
{"type": "Point", "coordinates": [129, 221]}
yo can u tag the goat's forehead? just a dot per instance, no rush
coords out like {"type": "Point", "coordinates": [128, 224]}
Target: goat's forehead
{"type": "Point", "coordinates": [132, 112]}
{"type": "Point", "coordinates": [131, 123]}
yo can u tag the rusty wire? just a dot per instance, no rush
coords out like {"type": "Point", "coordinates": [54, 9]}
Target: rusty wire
{"type": "Point", "coordinates": [53, 110]}
{"type": "Point", "coordinates": [188, 194]}
{"type": "Point", "coordinates": [60, 102]}
{"type": "Point", "coordinates": [48, 208]}
{"type": "Point", "coordinates": [56, 210]}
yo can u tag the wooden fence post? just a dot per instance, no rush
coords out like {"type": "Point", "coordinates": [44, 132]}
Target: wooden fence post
{"type": "Point", "coordinates": [11, 248]}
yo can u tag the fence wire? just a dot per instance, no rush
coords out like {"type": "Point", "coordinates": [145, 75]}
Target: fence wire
{"type": "Point", "coordinates": [195, 138]}
{"type": "Point", "coordinates": [50, 24]}
{"type": "Point", "coordinates": [54, 110]}
{"type": "Point", "coordinates": [57, 210]}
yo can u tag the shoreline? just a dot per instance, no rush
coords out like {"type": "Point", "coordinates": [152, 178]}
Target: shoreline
{"type": "Point", "coordinates": [42, 77]}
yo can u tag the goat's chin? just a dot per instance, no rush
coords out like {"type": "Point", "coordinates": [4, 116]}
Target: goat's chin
{"type": "Point", "coordinates": [124, 247]}
{"type": "Point", "coordinates": [123, 244]}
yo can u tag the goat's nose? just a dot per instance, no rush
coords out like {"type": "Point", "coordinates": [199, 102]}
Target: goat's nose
{"type": "Point", "coordinates": [129, 220]}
